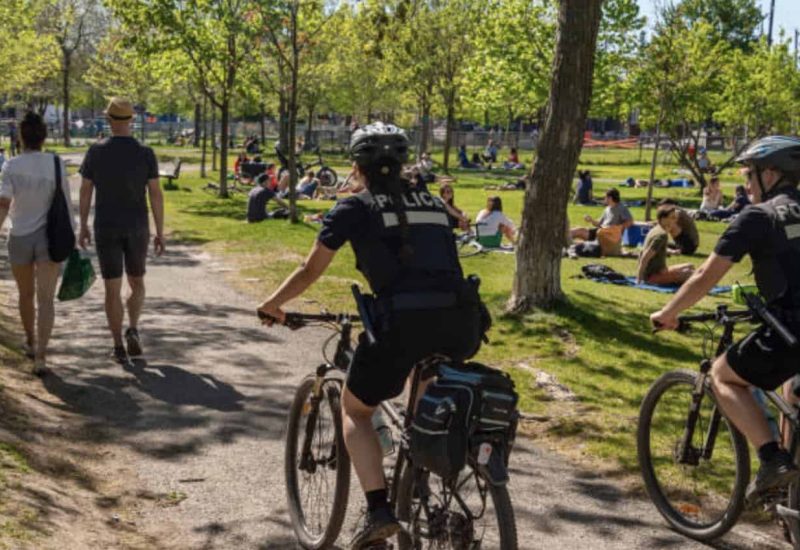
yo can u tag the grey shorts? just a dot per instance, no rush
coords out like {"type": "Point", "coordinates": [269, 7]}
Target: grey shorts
{"type": "Point", "coordinates": [118, 248]}
{"type": "Point", "coordinates": [27, 249]}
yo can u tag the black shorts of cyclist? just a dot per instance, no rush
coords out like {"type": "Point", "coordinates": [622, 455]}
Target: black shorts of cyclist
{"type": "Point", "coordinates": [763, 359]}
{"type": "Point", "coordinates": [378, 372]}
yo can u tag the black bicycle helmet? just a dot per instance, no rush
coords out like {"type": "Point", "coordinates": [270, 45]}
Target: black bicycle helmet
{"type": "Point", "coordinates": [378, 142]}
{"type": "Point", "coordinates": [780, 152]}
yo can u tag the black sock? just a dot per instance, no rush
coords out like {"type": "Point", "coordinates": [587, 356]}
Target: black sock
{"type": "Point", "coordinates": [377, 499]}
{"type": "Point", "coordinates": [768, 451]}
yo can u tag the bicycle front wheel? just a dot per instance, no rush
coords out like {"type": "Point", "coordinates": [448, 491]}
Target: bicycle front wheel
{"type": "Point", "coordinates": [317, 465]}
{"type": "Point", "coordinates": [700, 492]}
{"type": "Point", "coordinates": [469, 513]}
{"type": "Point", "coordinates": [792, 526]}
{"type": "Point", "coordinates": [327, 176]}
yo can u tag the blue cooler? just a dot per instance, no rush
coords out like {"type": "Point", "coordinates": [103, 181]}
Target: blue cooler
{"type": "Point", "coordinates": [634, 235]}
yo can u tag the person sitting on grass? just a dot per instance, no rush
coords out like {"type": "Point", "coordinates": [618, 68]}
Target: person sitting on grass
{"type": "Point", "coordinates": [712, 196]}
{"type": "Point", "coordinates": [583, 192]}
{"type": "Point", "coordinates": [454, 214]}
{"type": "Point", "coordinates": [492, 221]}
{"type": "Point", "coordinates": [739, 202]}
{"type": "Point", "coordinates": [489, 155]}
{"type": "Point", "coordinates": [463, 161]}
{"type": "Point", "coordinates": [684, 234]}
{"type": "Point", "coordinates": [258, 198]}
{"type": "Point", "coordinates": [513, 162]}
{"type": "Point", "coordinates": [653, 268]}
{"type": "Point", "coordinates": [306, 187]}
{"type": "Point", "coordinates": [615, 214]}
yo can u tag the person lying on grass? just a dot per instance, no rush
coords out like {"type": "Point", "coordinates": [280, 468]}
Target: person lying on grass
{"type": "Point", "coordinates": [653, 268]}
{"type": "Point", "coordinates": [492, 221]}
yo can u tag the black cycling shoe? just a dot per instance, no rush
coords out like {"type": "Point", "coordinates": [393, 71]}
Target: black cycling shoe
{"type": "Point", "coordinates": [134, 342]}
{"type": "Point", "coordinates": [120, 355]}
{"type": "Point", "coordinates": [777, 473]}
{"type": "Point", "coordinates": [380, 525]}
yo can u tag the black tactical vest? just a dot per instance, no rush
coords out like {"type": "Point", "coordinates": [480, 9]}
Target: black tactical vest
{"type": "Point", "coordinates": [433, 263]}
{"type": "Point", "coordinates": [777, 271]}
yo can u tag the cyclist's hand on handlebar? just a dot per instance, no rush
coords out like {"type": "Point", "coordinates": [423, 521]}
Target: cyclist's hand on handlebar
{"type": "Point", "coordinates": [270, 313]}
{"type": "Point", "coordinates": [663, 321]}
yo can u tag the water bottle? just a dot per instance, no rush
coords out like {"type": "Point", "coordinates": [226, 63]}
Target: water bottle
{"type": "Point", "coordinates": [384, 432]}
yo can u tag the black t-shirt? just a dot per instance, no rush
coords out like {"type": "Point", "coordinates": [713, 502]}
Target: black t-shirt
{"type": "Point", "coordinates": [750, 233]}
{"type": "Point", "coordinates": [257, 201]}
{"type": "Point", "coordinates": [120, 168]}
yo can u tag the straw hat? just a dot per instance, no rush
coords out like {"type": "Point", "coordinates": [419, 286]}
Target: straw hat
{"type": "Point", "coordinates": [119, 108]}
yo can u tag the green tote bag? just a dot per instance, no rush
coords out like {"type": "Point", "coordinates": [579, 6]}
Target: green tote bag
{"type": "Point", "coordinates": [78, 277]}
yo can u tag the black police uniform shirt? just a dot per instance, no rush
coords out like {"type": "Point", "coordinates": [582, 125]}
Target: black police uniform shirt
{"type": "Point", "coordinates": [369, 221]}
{"type": "Point", "coordinates": [770, 233]}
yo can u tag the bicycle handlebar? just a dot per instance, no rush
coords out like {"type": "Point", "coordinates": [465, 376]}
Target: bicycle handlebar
{"type": "Point", "coordinates": [756, 310]}
{"type": "Point", "coordinates": [295, 320]}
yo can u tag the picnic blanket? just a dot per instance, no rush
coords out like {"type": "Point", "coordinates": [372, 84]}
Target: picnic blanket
{"type": "Point", "coordinates": [664, 289]}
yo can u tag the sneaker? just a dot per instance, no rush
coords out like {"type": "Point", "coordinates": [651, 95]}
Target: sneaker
{"type": "Point", "coordinates": [39, 367]}
{"type": "Point", "coordinates": [380, 525]}
{"type": "Point", "coordinates": [27, 349]}
{"type": "Point", "coordinates": [134, 342]}
{"type": "Point", "coordinates": [778, 472]}
{"type": "Point", "coordinates": [119, 355]}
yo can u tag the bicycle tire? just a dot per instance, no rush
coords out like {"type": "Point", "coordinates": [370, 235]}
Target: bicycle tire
{"type": "Point", "coordinates": [328, 173]}
{"type": "Point", "coordinates": [678, 519]}
{"type": "Point", "coordinates": [793, 502]}
{"type": "Point", "coordinates": [501, 500]}
{"type": "Point", "coordinates": [326, 537]}
{"type": "Point", "coordinates": [467, 248]}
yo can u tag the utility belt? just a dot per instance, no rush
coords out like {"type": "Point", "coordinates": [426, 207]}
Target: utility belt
{"type": "Point", "coordinates": [377, 311]}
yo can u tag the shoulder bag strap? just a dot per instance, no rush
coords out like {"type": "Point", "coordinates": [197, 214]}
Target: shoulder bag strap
{"type": "Point", "coordinates": [59, 188]}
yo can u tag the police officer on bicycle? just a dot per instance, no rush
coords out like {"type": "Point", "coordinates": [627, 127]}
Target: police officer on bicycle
{"type": "Point", "coordinates": [769, 231]}
{"type": "Point", "coordinates": [404, 247]}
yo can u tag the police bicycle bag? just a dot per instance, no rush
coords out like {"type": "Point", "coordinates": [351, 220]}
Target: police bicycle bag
{"type": "Point", "coordinates": [468, 414]}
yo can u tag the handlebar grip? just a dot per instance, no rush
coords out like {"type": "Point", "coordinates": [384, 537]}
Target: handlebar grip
{"type": "Point", "coordinates": [292, 322]}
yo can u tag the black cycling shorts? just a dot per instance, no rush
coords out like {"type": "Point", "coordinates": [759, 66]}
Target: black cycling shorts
{"type": "Point", "coordinates": [378, 372]}
{"type": "Point", "coordinates": [118, 248]}
{"type": "Point", "coordinates": [763, 359]}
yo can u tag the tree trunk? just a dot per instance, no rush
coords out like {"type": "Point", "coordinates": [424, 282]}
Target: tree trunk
{"type": "Point", "coordinates": [537, 280]}
{"type": "Point", "coordinates": [426, 119]}
{"type": "Point", "coordinates": [197, 117]}
{"type": "Point", "coordinates": [65, 96]}
{"type": "Point", "coordinates": [283, 127]}
{"type": "Point", "coordinates": [262, 122]}
{"type": "Point", "coordinates": [223, 149]}
{"type": "Point", "coordinates": [213, 137]}
{"type": "Point", "coordinates": [143, 119]}
{"type": "Point", "coordinates": [310, 126]}
{"type": "Point", "coordinates": [448, 134]}
{"type": "Point", "coordinates": [652, 181]}
{"type": "Point", "coordinates": [205, 139]}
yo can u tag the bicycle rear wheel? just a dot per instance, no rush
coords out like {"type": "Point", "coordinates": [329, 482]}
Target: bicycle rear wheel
{"type": "Point", "coordinates": [470, 513]}
{"type": "Point", "coordinates": [327, 176]}
{"type": "Point", "coordinates": [793, 502]}
{"type": "Point", "coordinates": [702, 495]}
{"type": "Point", "coordinates": [467, 246]}
{"type": "Point", "coordinates": [317, 466]}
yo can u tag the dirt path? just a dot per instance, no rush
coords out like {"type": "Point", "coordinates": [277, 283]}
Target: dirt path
{"type": "Point", "coordinates": [192, 436]}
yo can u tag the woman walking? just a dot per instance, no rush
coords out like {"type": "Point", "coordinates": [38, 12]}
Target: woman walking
{"type": "Point", "coordinates": [27, 186]}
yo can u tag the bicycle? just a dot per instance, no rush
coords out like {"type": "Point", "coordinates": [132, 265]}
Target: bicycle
{"type": "Point", "coordinates": [472, 243]}
{"type": "Point", "coordinates": [686, 433]}
{"type": "Point", "coordinates": [435, 513]}
{"type": "Point", "coordinates": [326, 175]}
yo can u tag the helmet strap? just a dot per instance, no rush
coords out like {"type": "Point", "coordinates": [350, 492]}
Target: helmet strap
{"type": "Point", "coordinates": [761, 184]}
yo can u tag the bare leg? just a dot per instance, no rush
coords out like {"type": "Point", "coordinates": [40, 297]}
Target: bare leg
{"type": "Point", "coordinates": [114, 309]}
{"type": "Point", "coordinates": [740, 407]}
{"type": "Point", "coordinates": [46, 281]}
{"type": "Point", "coordinates": [579, 233]}
{"type": "Point", "coordinates": [135, 300]}
{"type": "Point", "coordinates": [24, 275]}
{"type": "Point", "coordinates": [362, 442]}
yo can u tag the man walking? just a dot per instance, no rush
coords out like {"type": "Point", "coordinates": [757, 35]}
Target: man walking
{"type": "Point", "coordinates": [122, 171]}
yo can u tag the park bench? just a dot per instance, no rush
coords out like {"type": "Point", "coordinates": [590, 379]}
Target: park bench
{"type": "Point", "coordinates": [171, 175]}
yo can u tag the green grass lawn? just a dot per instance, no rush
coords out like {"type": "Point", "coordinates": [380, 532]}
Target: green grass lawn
{"type": "Point", "coordinates": [598, 343]}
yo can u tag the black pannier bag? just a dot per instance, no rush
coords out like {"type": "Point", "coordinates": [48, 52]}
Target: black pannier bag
{"type": "Point", "coordinates": [468, 413]}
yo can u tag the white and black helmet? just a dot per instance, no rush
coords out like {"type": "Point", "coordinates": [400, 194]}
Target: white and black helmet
{"type": "Point", "coordinates": [378, 142]}
{"type": "Point", "coordinates": [780, 152]}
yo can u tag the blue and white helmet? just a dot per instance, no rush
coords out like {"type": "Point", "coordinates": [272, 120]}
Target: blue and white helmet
{"type": "Point", "coordinates": [780, 152]}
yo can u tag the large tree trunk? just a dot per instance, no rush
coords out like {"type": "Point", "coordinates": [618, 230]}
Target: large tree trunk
{"type": "Point", "coordinates": [537, 281]}
{"type": "Point", "coordinates": [65, 96]}
{"type": "Point", "coordinates": [197, 117]}
{"type": "Point", "coordinates": [223, 149]}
